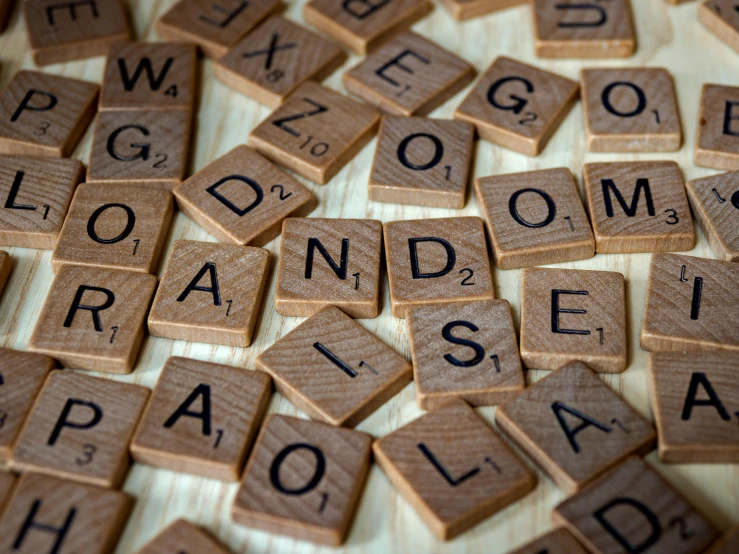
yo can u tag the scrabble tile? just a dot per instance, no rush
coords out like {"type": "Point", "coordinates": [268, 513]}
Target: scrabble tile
{"type": "Point", "coordinates": [333, 369]}
{"type": "Point", "coordinates": [535, 218]}
{"type": "Point", "coordinates": [44, 115]}
{"type": "Point", "coordinates": [717, 142]}
{"type": "Point", "coordinates": [632, 509]}
{"type": "Point", "coordinates": [452, 468]}
{"type": "Point", "coordinates": [362, 26]}
{"type": "Point", "coordinates": [518, 106]}
{"type": "Point", "coordinates": [182, 536]}
{"type": "Point", "coordinates": [147, 75]}
{"type": "Point", "coordinates": [728, 544]}
{"type": "Point", "coordinates": [571, 314]}
{"type": "Point", "coordinates": [7, 482]}
{"type": "Point", "coordinates": [107, 338]}
{"type": "Point", "coordinates": [329, 261]}
{"type": "Point", "coordinates": [241, 198]}
{"type": "Point", "coordinates": [715, 203]}
{"type": "Point", "coordinates": [303, 134]}
{"type": "Point", "coordinates": [211, 293]}
{"type": "Point", "coordinates": [576, 29]}
{"type": "Point", "coordinates": [559, 541]}
{"type": "Point", "coordinates": [574, 426]}
{"type": "Point", "coordinates": [141, 148]}
{"type": "Point", "coordinates": [435, 261]}
{"type": "Point", "coordinates": [6, 264]}
{"type": "Point", "coordinates": [79, 429]}
{"type": "Point", "coordinates": [422, 162]}
{"type": "Point", "coordinates": [720, 17]}
{"type": "Point", "coordinates": [277, 57]}
{"type": "Point", "coordinates": [21, 377]}
{"type": "Point", "coordinates": [462, 10]}
{"type": "Point", "coordinates": [6, 8]}
{"type": "Point", "coordinates": [202, 418]}
{"type": "Point", "coordinates": [691, 304]}
{"type": "Point", "coordinates": [304, 480]}
{"type": "Point", "coordinates": [631, 110]}
{"type": "Point", "coordinates": [60, 31]}
{"type": "Point", "coordinates": [464, 350]}
{"type": "Point", "coordinates": [57, 516]}
{"type": "Point", "coordinates": [408, 75]}
{"type": "Point", "coordinates": [638, 207]}
{"type": "Point", "coordinates": [114, 226]}
{"type": "Point", "coordinates": [36, 194]}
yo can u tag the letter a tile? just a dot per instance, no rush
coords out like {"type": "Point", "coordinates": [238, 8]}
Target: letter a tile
{"type": "Point", "coordinates": [559, 541]}
{"type": "Point", "coordinates": [182, 537]}
{"type": "Point", "coordinates": [334, 370]}
{"type": "Point", "coordinates": [721, 18]}
{"type": "Point", "coordinates": [717, 141]}
{"type": "Point", "coordinates": [715, 203]}
{"type": "Point", "coordinates": [304, 480]}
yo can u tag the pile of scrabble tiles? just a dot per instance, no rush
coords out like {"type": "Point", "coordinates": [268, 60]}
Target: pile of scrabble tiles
{"type": "Point", "coordinates": [67, 437]}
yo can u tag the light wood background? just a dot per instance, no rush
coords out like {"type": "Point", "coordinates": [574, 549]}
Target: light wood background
{"type": "Point", "coordinates": [668, 36]}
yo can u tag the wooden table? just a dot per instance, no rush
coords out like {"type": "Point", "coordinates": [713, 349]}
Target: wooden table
{"type": "Point", "coordinates": [668, 36]}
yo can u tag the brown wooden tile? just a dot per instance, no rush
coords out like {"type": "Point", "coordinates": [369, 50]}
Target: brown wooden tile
{"type": "Point", "coordinates": [575, 29]}
{"type": "Point", "coordinates": [518, 106]}
{"type": "Point", "coordinates": [435, 261]}
{"type": "Point", "coordinates": [36, 194]}
{"type": "Point", "coordinates": [146, 75]}
{"type": "Point", "coordinates": [720, 17]}
{"type": "Point", "coordinates": [80, 428]}
{"type": "Point", "coordinates": [115, 226]}
{"type": "Point", "coordinates": [61, 31]}
{"type": "Point", "coordinates": [329, 261]}
{"type": "Point", "coordinates": [535, 218]}
{"type": "Point", "coordinates": [715, 203]}
{"type": "Point", "coordinates": [691, 304]}
{"type": "Point", "coordinates": [276, 58]}
{"type": "Point", "coordinates": [7, 482]}
{"type": "Point", "coordinates": [462, 10]}
{"type": "Point", "coordinates": [57, 516]}
{"type": "Point", "coordinates": [452, 468]}
{"type": "Point", "coordinates": [242, 198]}
{"type": "Point", "coordinates": [574, 426]}
{"type": "Point", "coordinates": [464, 350]}
{"type": "Point", "coordinates": [362, 26]}
{"type": "Point", "coordinates": [728, 544]}
{"type": "Point", "coordinates": [717, 142]}
{"type": "Point", "coordinates": [559, 541]}
{"type": "Point", "coordinates": [303, 135]}
{"type": "Point", "coordinates": [304, 480]}
{"type": "Point", "coordinates": [422, 162]}
{"type": "Point", "coordinates": [182, 536]}
{"type": "Point", "coordinates": [202, 418]}
{"type": "Point", "coordinates": [631, 110]}
{"type": "Point", "coordinates": [571, 314]}
{"type": "Point", "coordinates": [632, 508]}
{"type": "Point", "coordinates": [408, 75]}
{"type": "Point", "coordinates": [94, 318]}
{"type": "Point", "coordinates": [6, 265]}
{"type": "Point", "coordinates": [334, 370]}
{"type": "Point", "coordinates": [44, 115]}
{"type": "Point", "coordinates": [21, 377]}
{"type": "Point", "coordinates": [214, 27]}
{"type": "Point", "coordinates": [638, 207]}
{"type": "Point", "coordinates": [6, 8]}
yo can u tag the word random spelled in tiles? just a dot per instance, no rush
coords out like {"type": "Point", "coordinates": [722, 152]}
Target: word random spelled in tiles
{"type": "Point", "coordinates": [462, 10]}
{"type": "Point", "coordinates": [728, 544]}
{"type": "Point", "coordinates": [722, 19]}
{"type": "Point", "coordinates": [717, 142]}
{"type": "Point", "coordinates": [715, 203]}
{"type": "Point", "coordinates": [182, 536]}
{"type": "Point", "coordinates": [559, 541]}
{"type": "Point", "coordinates": [6, 264]}
{"type": "Point", "coordinates": [7, 482]}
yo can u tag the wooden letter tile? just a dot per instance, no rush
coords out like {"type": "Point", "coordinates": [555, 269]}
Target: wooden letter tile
{"type": "Point", "coordinates": [435, 261]}
{"type": "Point", "coordinates": [362, 25]}
{"type": "Point", "coordinates": [717, 143]}
{"type": "Point", "coordinates": [44, 115]}
{"type": "Point", "coordinates": [692, 304]}
{"type": "Point", "coordinates": [574, 426]}
{"type": "Point", "coordinates": [631, 110]}
{"type": "Point", "coordinates": [632, 509]}
{"type": "Point", "coordinates": [518, 106]}
{"type": "Point", "coordinates": [728, 544]}
{"type": "Point", "coordinates": [63, 30]}
{"type": "Point", "coordinates": [276, 58]}
{"type": "Point", "coordinates": [559, 541]}
{"type": "Point", "coordinates": [329, 261]}
{"type": "Point", "coordinates": [422, 162]}
{"type": "Point", "coordinates": [452, 468]}
{"type": "Point", "coordinates": [202, 418]}
{"type": "Point", "coordinates": [6, 8]}
{"type": "Point", "coordinates": [315, 132]}
{"type": "Point", "coordinates": [464, 350]}
{"type": "Point", "coordinates": [49, 515]}
{"type": "Point", "coordinates": [722, 19]}
{"type": "Point", "coordinates": [462, 10]}
{"type": "Point", "coordinates": [304, 479]}
{"type": "Point", "coordinates": [183, 537]}
{"type": "Point", "coordinates": [7, 482]}
{"type": "Point", "coordinates": [116, 227]}
{"type": "Point", "coordinates": [6, 264]}
{"type": "Point", "coordinates": [79, 429]}
{"type": "Point", "coordinates": [241, 198]}
{"type": "Point", "coordinates": [715, 203]}
{"type": "Point", "coordinates": [638, 207]}
{"type": "Point", "coordinates": [583, 29]}
{"type": "Point", "coordinates": [408, 75]}
{"type": "Point", "coordinates": [535, 218]}
{"type": "Point", "coordinates": [334, 370]}
{"type": "Point", "coordinates": [94, 318]}
{"type": "Point", "coordinates": [570, 314]}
